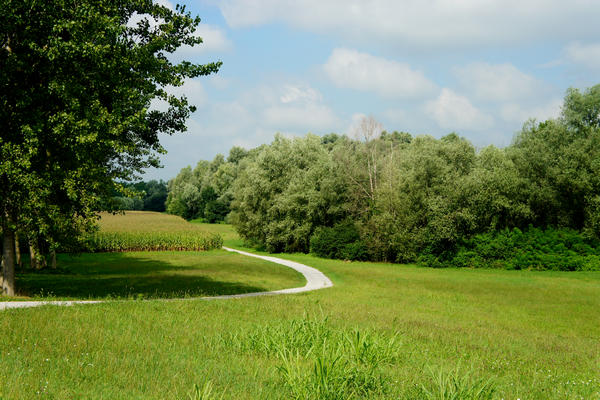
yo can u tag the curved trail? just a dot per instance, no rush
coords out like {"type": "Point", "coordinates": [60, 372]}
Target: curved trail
{"type": "Point", "coordinates": [315, 280]}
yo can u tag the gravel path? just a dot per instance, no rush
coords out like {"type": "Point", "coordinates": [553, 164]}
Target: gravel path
{"type": "Point", "coordinates": [315, 280]}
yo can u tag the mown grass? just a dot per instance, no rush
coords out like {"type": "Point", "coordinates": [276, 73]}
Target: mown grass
{"type": "Point", "coordinates": [383, 331]}
{"type": "Point", "coordinates": [143, 275]}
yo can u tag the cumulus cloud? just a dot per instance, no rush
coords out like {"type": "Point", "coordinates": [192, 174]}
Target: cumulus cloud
{"type": "Point", "coordinates": [498, 82]}
{"type": "Point", "coordinates": [438, 23]}
{"type": "Point", "coordinates": [352, 69]}
{"type": "Point", "coordinates": [255, 115]}
{"type": "Point", "coordinates": [299, 108]}
{"type": "Point", "coordinates": [586, 55]}
{"type": "Point", "coordinates": [214, 38]}
{"type": "Point", "coordinates": [191, 88]}
{"type": "Point", "coordinates": [453, 111]}
{"type": "Point", "coordinates": [137, 18]}
{"type": "Point", "coordinates": [308, 117]}
{"type": "Point", "coordinates": [297, 93]}
{"type": "Point", "coordinates": [519, 114]}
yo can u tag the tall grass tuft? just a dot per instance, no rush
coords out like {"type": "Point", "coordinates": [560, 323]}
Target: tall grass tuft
{"type": "Point", "coordinates": [318, 361]}
{"type": "Point", "coordinates": [204, 392]}
{"type": "Point", "coordinates": [456, 385]}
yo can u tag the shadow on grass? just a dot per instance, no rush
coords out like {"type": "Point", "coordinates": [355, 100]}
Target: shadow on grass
{"type": "Point", "coordinates": [117, 275]}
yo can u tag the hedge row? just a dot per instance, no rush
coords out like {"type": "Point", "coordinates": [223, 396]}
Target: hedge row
{"type": "Point", "coordinates": [533, 249]}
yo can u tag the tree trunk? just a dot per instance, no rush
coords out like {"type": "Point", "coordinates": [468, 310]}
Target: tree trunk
{"type": "Point", "coordinates": [1, 272]}
{"type": "Point", "coordinates": [43, 260]}
{"type": "Point", "coordinates": [8, 259]}
{"type": "Point", "coordinates": [53, 258]}
{"type": "Point", "coordinates": [33, 264]}
{"type": "Point", "coordinates": [18, 260]}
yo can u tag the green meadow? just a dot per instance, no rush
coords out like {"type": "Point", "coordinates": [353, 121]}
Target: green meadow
{"type": "Point", "coordinates": [384, 331]}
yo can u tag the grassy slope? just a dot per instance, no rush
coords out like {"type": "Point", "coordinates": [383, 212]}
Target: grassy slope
{"type": "Point", "coordinates": [157, 275]}
{"type": "Point", "coordinates": [154, 274]}
{"type": "Point", "coordinates": [535, 334]}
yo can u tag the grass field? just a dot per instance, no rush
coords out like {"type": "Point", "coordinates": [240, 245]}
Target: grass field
{"type": "Point", "coordinates": [143, 275]}
{"type": "Point", "coordinates": [163, 274]}
{"type": "Point", "coordinates": [383, 331]}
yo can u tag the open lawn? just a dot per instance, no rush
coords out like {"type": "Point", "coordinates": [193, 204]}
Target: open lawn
{"type": "Point", "coordinates": [383, 331]}
{"type": "Point", "coordinates": [168, 274]}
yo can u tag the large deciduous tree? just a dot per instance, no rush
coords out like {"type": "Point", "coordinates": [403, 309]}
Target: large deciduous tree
{"type": "Point", "coordinates": [76, 81]}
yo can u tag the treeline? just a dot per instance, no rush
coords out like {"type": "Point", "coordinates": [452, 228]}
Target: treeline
{"type": "Point", "coordinates": [206, 192]}
{"type": "Point", "coordinates": [395, 197]}
{"type": "Point", "coordinates": [140, 196]}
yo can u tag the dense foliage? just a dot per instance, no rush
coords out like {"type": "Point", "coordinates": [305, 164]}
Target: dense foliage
{"type": "Point", "coordinates": [205, 191]}
{"type": "Point", "coordinates": [143, 196]}
{"type": "Point", "coordinates": [341, 241]}
{"type": "Point", "coordinates": [77, 79]}
{"type": "Point", "coordinates": [395, 197]}
{"type": "Point", "coordinates": [535, 248]}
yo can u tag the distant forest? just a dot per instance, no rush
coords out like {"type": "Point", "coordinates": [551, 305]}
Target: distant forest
{"type": "Point", "coordinates": [402, 198]}
{"type": "Point", "coordinates": [140, 196]}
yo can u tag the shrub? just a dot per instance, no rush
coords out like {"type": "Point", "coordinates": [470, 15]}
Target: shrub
{"type": "Point", "coordinates": [340, 242]}
{"type": "Point", "coordinates": [534, 249]}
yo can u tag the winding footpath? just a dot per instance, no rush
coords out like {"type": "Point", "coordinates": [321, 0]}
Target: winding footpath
{"type": "Point", "coordinates": [315, 280]}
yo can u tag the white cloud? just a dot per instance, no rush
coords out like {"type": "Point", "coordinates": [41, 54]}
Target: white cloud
{"type": "Point", "coordinates": [396, 116]}
{"type": "Point", "coordinates": [218, 82]}
{"type": "Point", "coordinates": [586, 55]}
{"type": "Point", "coordinates": [299, 108]}
{"type": "Point", "coordinates": [191, 88]}
{"type": "Point", "coordinates": [297, 93]}
{"type": "Point", "coordinates": [137, 18]}
{"type": "Point", "coordinates": [417, 23]}
{"type": "Point", "coordinates": [498, 82]}
{"type": "Point", "coordinates": [355, 70]}
{"type": "Point", "coordinates": [255, 115]}
{"type": "Point", "coordinates": [453, 111]}
{"type": "Point", "coordinates": [214, 40]}
{"type": "Point", "coordinates": [519, 114]}
{"type": "Point", "coordinates": [302, 118]}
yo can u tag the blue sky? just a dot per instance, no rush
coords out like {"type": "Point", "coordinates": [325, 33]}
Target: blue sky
{"type": "Point", "coordinates": [480, 68]}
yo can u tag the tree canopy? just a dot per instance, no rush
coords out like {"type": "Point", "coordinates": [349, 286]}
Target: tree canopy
{"type": "Point", "coordinates": [77, 79]}
{"type": "Point", "coordinates": [395, 197]}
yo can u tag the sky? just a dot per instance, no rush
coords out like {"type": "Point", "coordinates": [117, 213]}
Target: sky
{"type": "Point", "coordinates": [480, 68]}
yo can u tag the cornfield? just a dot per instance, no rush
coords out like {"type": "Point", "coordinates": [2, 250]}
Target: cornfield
{"type": "Point", "coordinates": [149, 231]}
{"type": "Point", "coordinates": [152, 241]}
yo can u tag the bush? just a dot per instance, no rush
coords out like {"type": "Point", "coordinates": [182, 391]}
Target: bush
{"type": "Point", "coordinates": [340, 242]}
{"type": "Point", "coordinates": [534, 249]}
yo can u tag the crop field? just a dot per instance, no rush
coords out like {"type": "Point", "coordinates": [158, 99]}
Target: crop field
{"type": "Point", "coordinates": [384, 331]}
{"type": "Point", "coordinates": [150, 231]}
{"type": "Point", "coordinates": [147, 221]}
